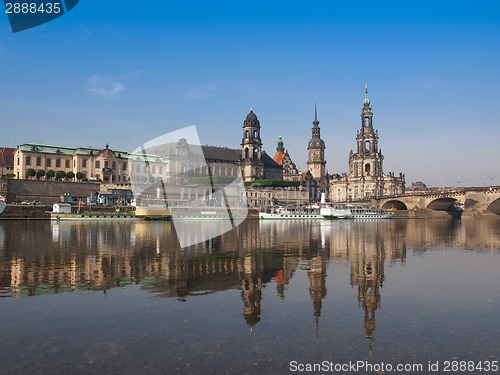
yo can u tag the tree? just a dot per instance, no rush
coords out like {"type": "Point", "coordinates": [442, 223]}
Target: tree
{"type": "Point", "coordinates": [79, 175]}
{"type": "Point", "coordinates": [40, 173]}
{"type": "Point", "coordinates": [152, 179]}
{"type": "Point", "coordinates": [31, 172]}
{"type": "Point", "coordinates": [60, 174]}
{"type": "Point", "coordinates": [70, 175]}
{"type": "Point", "coordinates": [51, 173]}
{"type": "Point", "coordinates": [144, 179]}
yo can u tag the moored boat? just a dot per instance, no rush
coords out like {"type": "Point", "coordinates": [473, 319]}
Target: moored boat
{"type": "Point", "coordinates": [291, 213]}
{"type": "Point", "coordinates": [3, 204]}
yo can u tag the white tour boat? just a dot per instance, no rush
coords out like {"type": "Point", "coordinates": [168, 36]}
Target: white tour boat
{"type": "Point", "coordinates": [291, 213]}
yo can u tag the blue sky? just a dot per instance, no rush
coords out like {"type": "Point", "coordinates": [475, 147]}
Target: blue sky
{"type": "Point", "coordinates": [125, 72]}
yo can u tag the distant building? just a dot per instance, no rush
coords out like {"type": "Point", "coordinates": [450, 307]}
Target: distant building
{"type": "Point", "coordinates": [366, 178]}
{"type": "Point", "coordinates": [290, 171]}
{"type": "Point", "coordinates": [417, 186]}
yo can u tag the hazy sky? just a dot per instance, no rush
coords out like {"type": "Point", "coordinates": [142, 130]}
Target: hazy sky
{"type": "Point", "coordinates": [125, 72]}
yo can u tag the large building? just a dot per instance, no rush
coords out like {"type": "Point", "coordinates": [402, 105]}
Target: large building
{"type": "Point", "coordinates": [366, 178]}
{"type": "Point", "coordinates": [170, 163]}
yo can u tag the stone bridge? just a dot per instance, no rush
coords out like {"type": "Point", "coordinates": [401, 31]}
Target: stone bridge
{"type": "Point", "coordinates": [477, 200]}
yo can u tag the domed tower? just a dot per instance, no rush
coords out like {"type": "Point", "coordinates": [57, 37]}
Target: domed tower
{"type": "Point", "coordinates": [316, 147]}
{"type": "Point", "coordinates": [366, 163]}
{"type": "Point", "coordinates": [251, 148]}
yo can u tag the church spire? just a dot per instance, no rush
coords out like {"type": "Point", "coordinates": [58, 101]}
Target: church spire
{"type": "Point", "coordinates": [366, 102]}
{"type": "Point", "coordinates": [315, 122]}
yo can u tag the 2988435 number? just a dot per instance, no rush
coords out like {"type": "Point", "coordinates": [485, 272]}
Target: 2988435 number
{"type": "Point", "coordinates": [24, 8]}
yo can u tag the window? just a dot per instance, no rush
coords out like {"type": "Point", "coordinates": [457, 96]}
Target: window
{"type": "Point", "coordinates": [161, 170]}
{"type": "Point", "coordinates": [246, 153]}
{"type": "Point", "coordinates": [153, 170]}
{"type": "Point", "coordinates": [28, 160]}
{"type": "Point", "coordinates": [367, 121]}
{"type": "Point", "coordinates": [67, 163]}
{"type": "Point", "coordinates": [49, 162]}
{"type": "Point", "coordinates": [124, 165]}
{"type": "Point", "coordinates": [138, 169]}
{"type": "Point", "coordinates": [38, 162]}
{"type": "Point", "coordinates": [84, 163]}
{"type": "Point", "coordinates": [18, 161]}
{"type": "Point", "coordinates": [106, 164]}
{"type": "Point", "coordinates": [58, 163]}
{"type": "Point", "coordinates": [367, 146]}
{"type": "Point", "coordinates": [367, 168]}
{"type": "Point", "coordinates": [113, 166]}
{"type": "Point", "coordinates": [144, 170]}
{"type": "Point", "coordinates": [97, 164]}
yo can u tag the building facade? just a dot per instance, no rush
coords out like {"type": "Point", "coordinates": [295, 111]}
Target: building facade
{"type": "Point", "coordinates": [366, 178]}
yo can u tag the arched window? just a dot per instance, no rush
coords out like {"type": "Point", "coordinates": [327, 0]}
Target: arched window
{"type": "Point", "coordinates": [246, 134]}
{"type": "Point", "coordinates": [246, 153]}
{"type": "Point", "coordinates": [367, 146]}
{"type": "Point", "coordinates": [367, 168]}
{"type": "Point", "coordinates": [255, 153]}
{"type": "Point", "coordinates": [367, 121]}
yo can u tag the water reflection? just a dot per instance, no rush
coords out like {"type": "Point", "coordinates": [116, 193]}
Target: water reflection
{"type": "Point", "coordinates": [44, 258]}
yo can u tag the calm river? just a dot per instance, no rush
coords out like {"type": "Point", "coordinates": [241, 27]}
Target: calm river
{"type": "Point", "coordinates": [272, 297]}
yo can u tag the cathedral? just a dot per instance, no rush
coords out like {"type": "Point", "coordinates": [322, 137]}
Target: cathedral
{"type": "Point", "coordinates": [366, 178]}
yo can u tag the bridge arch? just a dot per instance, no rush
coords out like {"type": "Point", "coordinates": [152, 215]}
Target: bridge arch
{"type": "Point", "coordinates": [441, 204]}
{"type": "Point", "coordinates": [494, 207]}
{"type": "Point", "coordinates": [395, 203]}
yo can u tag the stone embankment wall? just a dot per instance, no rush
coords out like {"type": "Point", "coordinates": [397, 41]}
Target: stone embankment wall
{"type": "Point", "coordinates": [47, 192]}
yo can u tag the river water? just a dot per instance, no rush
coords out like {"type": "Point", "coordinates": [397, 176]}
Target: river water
{"type": "Point", "coordinates": [265, 298]}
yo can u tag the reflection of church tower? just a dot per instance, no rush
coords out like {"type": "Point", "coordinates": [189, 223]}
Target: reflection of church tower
{"type": "Point", "coordinates": [317, 288]}
{"type": "Point", "coordinates": [367, 272]}
{"type": "Point", "coordinates": [251, 148]}
{"type": "Point", "coordinates": [316, 147]}
{"type": "Point", "coordinates": [251, 292]}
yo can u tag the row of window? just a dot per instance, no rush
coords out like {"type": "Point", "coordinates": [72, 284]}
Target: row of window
{"type": "Point", "coordinates": [67, 163]}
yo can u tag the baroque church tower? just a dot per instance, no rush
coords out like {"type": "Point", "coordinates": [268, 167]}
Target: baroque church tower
{"type": "Point", "coordinates": [366, 178]}
{"type": "Point", "coordinates": [367, 161]}
{"type": "Point", "coordinates": [251, 148]}
{"type": "Point", "coordinates": [316, 148]}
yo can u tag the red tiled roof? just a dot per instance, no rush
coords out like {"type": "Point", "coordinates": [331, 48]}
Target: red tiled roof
{"type": "Point", "coordinates": [7, 155]}
{"type": "Point", "coordinates": [304, 174]}
{"type": "Point", "coordinates": [278, 158]}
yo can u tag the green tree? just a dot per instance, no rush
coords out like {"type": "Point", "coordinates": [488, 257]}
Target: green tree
{"type": "Point", "coordinates": [51, 173]}
{"type": "Point", "coordinates": [135, 178]}
{"type": "Point", "coordinates": [70, 175]}
{"type": "Point", "coordinates": [60, 174]}
{"type": "Point", "coordinates": [40, 173]}
{"type": "Point", "coordinates": [144, 179]}
{"type": "Point", "coordinates": [152, 179]}
{"type": "Point", "coordinates": [79, 175]}
{"type": "Point", "coordinates": [31, 172]}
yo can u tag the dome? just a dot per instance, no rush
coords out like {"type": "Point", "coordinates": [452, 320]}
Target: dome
{"type": "Point", "coordinates": [366, 102]}
{"type": "Point", "coordinates": [251, 116]}
{"type": "Point", "coordinates": [316, 143]}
